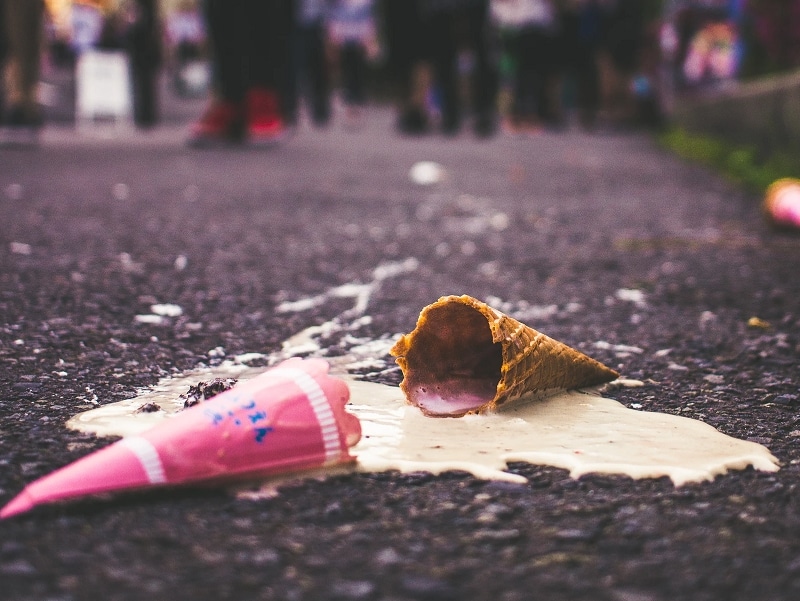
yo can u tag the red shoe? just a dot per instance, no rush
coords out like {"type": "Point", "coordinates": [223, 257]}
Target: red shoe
{"type": "Point", "coordinates": [264, 123]}
{"type": "Point", "coordinates": [221, 123]}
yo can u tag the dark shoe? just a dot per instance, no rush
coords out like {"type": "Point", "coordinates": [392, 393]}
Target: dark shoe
{"type": "Point", "coordinates": [451, 124]}
{"type": "Point", "coordinates": [484, 126]}
{"type": "Point", "coordinates": [413, 122]}
{"type": "Point", "coordinates": [221, 123]}
{"type": "Point", "coordinates": [21, 128]}
{"type": "Point", "coordinates": [321, 115]}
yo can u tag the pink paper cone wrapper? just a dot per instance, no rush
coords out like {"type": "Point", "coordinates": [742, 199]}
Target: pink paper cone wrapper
{"type": "Point", "coordinates": [289, 418]}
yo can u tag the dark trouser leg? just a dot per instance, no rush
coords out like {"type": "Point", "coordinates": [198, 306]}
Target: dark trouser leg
{"type": "Point", "coordinates": [145, 55]}
{"type": "Point", "coordinates": [588, 81]}
{"type": "Point", "coordinates": [484, 77]}
{"type": "Point", "coordinates": [353, 72]}
{"type": "Point", "coordinates": [3, 56]}
{"type": "Point", "coordinates": [408, 43]}
{"type": "Point", "coordinates": [445, 65]}
{"type": "Point", "coordinates": [23, 37]}
{"type": "Point", "coordinates": [272, 30]}
{"type": "Point", "coordinates": [403, 38]}
{"type": "Point", "coordinates": [525, 77]}
{"type": "Point", "coordinates": [145, 98]}
{"type": "Point", "coordinates": [317, 74]}
{"type": "Point", "coordinates": [224, 19]}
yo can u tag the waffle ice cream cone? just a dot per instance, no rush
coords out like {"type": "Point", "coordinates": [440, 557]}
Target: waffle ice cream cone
{"type": "Point", "coordinates": [466, 357]}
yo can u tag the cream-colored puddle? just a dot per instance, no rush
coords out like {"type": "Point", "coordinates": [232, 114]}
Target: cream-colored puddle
{"type": "Point", "coordinates": [577, 431]}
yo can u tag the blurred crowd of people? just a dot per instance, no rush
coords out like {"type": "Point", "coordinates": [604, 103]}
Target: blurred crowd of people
{"type": "Point", "coordinates": [26, 28]}
{"type": "Point", "coordinates": [444, 62]}
{"type": "Point", "coordinates": [519, 65]}
{"type": "Point", "coordinates": [447, 61]}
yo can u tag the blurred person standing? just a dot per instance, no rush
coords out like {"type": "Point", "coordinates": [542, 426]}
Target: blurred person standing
{"type": "Point", "coordinates": [351, 28]}
{"type": "Point", "coordinates": [459, 30]}
{"type": "Point", "coordinates": [530, 27]}
{"type": "Point", "coordinates": [407, 41]}
{"type": "Point", "coordinates": [250, 48]}
{"type": "Point", "coordinates": [580, 39]}
{"type": "Point", "coordinates": [309, 74]}
{"type": "Point", "coordinates": [432, 43]}
{"type": "Point", "coordinates": [144, 50]}
{"type": "Point", "coordinates": [21, 31]}
{"type": "Point", "coordinates": [624, 40]}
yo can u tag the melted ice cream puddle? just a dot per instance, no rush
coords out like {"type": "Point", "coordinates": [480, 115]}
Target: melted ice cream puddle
{"type": "Point", "coordinates": [583, 433]}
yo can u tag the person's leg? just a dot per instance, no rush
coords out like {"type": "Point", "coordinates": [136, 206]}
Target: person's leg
{"type": "Point", "coordinates": [145, 100]}
{"type": "Point", "coordinates": [3, 57]}
{"type": "Point", "coordinates": [144, 49]}
{"type": "Point", "coordinates": [317, 75]}
{"type": "Point", "coordinates": [550, 70]}
{"type": "Point", "coordinates": [407, 38]}
{"type": "Point", "coordinates": [223, 120]}
{"type": "Point", "coordinates": [296, 74]}
{"type": "Point", "coordinates": [268, 28]}
{"type": "Point", "coordinates": [353, 67]}
{"type": "Point", "coordinates": [484, 77]}
{"type": "Point", "coordinates": [540, 61]}
{"type": "Point", "coordinates": [224, 19]}
{"type": "Point", "coordinates": [23, 21]}
{"type": "Point", "coordinates": [588, 87]}
{"type": "Point", "coordinates": [524, 106]}
{"type": "Point", "coordinates": [445, 65]}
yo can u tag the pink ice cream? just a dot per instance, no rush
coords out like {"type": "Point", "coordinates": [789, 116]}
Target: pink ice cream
{"type": "Point", "coordinates": [782, 202]}
{"type": "Point", "coordinates": [786, 207]}
{"type": "Point", "coordinates": [290, 418]}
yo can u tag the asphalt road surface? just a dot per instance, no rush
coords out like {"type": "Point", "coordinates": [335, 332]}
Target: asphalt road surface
{"type": "Point", "coordinates": [650, 265]}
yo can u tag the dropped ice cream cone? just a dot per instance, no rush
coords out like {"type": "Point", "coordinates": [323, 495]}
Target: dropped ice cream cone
{"type": "Point", "coordinates": [782, 203]}
{"type": "Point", "coordinates": [466, 357]}
{"type": "Point", "coordinates": [289, 418]}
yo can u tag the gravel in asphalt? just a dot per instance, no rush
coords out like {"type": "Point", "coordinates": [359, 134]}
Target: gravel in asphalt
{"type": "Point", "coordinates": [653, 266]}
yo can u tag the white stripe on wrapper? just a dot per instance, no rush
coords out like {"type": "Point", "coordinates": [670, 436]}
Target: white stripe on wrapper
{"type": "Point", "coordinates": [148, 457]}
{"type": "Point", "coordinates": [329, 429]}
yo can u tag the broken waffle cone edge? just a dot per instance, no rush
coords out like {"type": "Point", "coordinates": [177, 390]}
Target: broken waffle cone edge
{"type": "Point", "coordinates": [531, 362]}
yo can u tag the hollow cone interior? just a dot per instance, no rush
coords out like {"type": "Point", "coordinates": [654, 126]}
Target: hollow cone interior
{"type": "Point", "coordinates": [466, 357]}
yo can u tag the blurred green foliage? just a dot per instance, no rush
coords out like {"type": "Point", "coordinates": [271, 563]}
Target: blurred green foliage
{"type": "Point", "coordinates": [745, 165]}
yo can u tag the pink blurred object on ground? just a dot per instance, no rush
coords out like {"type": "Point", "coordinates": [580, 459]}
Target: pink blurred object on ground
{"type": "Point", "coordinates": [782, 202]}
{"type": "Point", "coordinates": [289, 418]}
